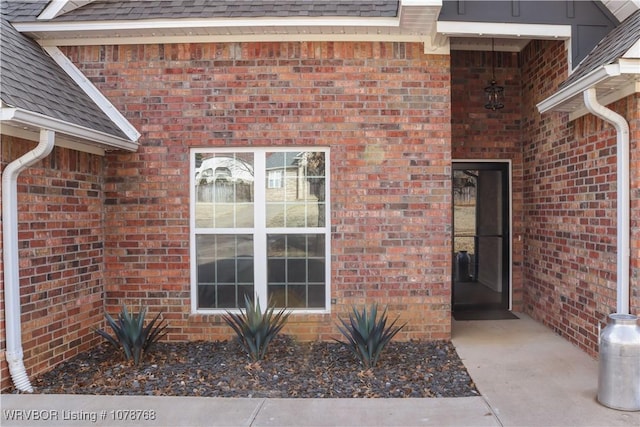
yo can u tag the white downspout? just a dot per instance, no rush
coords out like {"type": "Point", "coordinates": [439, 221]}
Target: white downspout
{"type": "Point", "coordinates": [623, 230]}
{"type": "Point", "coordinates": [13, 327]}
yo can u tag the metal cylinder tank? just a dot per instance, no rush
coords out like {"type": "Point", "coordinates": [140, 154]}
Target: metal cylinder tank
{"type": "Point", "coordinates": [619, 368]}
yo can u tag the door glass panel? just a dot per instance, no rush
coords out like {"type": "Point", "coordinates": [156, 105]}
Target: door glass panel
{"type": "Point", "coordinates": [480, 274]}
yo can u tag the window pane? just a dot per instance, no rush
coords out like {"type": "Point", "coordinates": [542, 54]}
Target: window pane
{"type": "Point", "coordinates": [316, 270]}
{"type": "Point", "coordinates": [296, 275]}
{"type": "Point", "coordinates": [275, 214]}
{"type": "Point", "coordinates": [297, 296]}
{"type": "Point", "coordinates": [278, 295]}
{"type": "Point", "coordinates": [206, 296]}
{"type": "Point", "coordinates": [224, 190]}
{"type": "Point", "coordinates": [276, 271]}
{"type": "Point", "coordinates": [224, 270]}
{"type": "Point", "coordinates": [315, 246]}
{"type": "Point", "coordinates": [296, 270]}
{"type": "Point", "coordinates": [299, 201]}
{"type": "Point", "coordinates": [316, 296]}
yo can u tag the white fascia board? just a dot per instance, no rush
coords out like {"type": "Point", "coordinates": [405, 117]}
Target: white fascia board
{"type": "Point", "coordinates": [231, 38]}
{"type": "Point", "coordinates": [578, 87]}
{"type": "Point", "coordinates": [609, 98]}
{"type": "Point", "coordinates": [18, 116]}
{"type": "Point", "coordinates": [115, 26]}
{"type": "Point", "coordinates": [421, 3]}
{"type": "Point", "coordinates": [488, 29]}
{"type": "Point", "coordinates": [630, 67]}
{"type": "Point", "coordinates": [61, 140]}
{"type": "Point", "coordinates": [53, 9]}
{"type": "Point", "coordinates": [634, 51]}
{"type": "Point", "coordinates": [56, 8]}
{"type": "Point", "coordinates": [105, 105]}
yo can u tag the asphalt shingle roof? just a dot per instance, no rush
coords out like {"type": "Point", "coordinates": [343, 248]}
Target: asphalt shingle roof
{"type": "Point", "coordinates": [611, 47]}
{"type": "Point", "coordinates": [102, 10]}
{"type": "Point", "coordinates": [31, 80]}
{"type": "Point", "coordinates": [22, 10]}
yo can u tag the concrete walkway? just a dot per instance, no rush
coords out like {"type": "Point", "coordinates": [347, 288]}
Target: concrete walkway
{"type": "Point", "coordinates": [527, 377]}
{"type": "Point", "coordinates": [530, 376]}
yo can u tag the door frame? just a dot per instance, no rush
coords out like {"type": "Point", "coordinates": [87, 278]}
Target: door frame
{"type": "Point", "coordinates": [509, 164]}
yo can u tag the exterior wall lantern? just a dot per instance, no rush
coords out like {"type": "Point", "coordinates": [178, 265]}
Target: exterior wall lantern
{"type": "Point", "coordinates": [493, 92]}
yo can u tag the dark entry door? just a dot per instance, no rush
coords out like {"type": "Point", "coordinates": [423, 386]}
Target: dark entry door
{"type": "Point", "coordinates": [481, 262]}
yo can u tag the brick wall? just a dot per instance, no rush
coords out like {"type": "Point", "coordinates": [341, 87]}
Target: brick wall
{"type": "Point", "coordinates": [481, 134]}
{"type": "Point", "coordinates": [61, 255]}
{"type": "Point", "coordinates": [382, 108]}
{"type": "Point", "coordinates": [570, 206]}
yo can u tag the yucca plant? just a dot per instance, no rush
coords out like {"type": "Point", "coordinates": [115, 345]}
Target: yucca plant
{"type": "Point", "coordinates": [255, 329]}
{"type": "Point", "coordinates": [367, 334]}
{"type": "Point", "coordinates": [131, 335]}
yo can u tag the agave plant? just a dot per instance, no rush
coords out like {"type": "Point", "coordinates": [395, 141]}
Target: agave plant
{"type": "Point", "coordinates": [131, 335]}
{"type": "Point", "coordinates": [367, 334]}
{"type": "Point", "coordinates": [255, 329]}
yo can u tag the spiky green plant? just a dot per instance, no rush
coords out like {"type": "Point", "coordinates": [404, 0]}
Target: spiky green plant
{"type": "Point", "coordinates": [131, 335]}
{"type": "Point", "coordinates": [255, 329]}
{"type": "Point", "coordinates": [367, 334]}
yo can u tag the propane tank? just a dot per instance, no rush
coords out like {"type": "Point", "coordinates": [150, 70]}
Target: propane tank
{"type": "Point", "coordinates": [619, 368]}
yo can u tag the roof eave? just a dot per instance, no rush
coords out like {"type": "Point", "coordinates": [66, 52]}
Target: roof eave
{"type": "Point", "coordinates": [23, 123]}
{"type": "Point", "coordinates": [416, 21]}
{"type": "Point", "coordinates": [623, 74]}
{"type": "Point", "coordinates": [96, 96]}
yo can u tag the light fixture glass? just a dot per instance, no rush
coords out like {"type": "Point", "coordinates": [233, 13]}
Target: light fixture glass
{"type": "Point", "coordinates": [493, 92]}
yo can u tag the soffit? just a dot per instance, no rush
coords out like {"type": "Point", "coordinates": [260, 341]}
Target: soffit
{"type": "Point", "coordinates": [388, 20]}
{"type": "Point", "coordinates": [621, 9]}
{"type": "Point", "coordinates": [612, 68]}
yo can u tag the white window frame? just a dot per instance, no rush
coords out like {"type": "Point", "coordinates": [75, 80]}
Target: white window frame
{"type": "Point", "coordinates": [275, 178]}
{"type": "Point", "coordinates": [259, 230]}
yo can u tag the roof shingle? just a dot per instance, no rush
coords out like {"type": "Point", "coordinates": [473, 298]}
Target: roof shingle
{"type": "Point", "coordinates": [102, 10]}
{"type": "Point", "coordinates": [33, 81]}
{"type": "Point", "coordinates": [611, 47]}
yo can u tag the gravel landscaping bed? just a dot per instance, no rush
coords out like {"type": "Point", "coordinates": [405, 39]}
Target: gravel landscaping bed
{"type": "Point", "coordinates": [290, 369]}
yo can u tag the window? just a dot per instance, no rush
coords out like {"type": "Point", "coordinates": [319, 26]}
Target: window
{"type": "Point", "coordinates": [275, 178]}
{"type": "Point", "coordinates": [259, 228]}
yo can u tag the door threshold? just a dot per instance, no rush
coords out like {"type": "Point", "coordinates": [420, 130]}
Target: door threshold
{"type": "Point", "coordinates": [499, 314]}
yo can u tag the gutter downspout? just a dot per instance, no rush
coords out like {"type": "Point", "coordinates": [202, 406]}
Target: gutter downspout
{"type": "Point", "coordinates": [623, 230]}
{"type": "Point", "coordinates": [13, 351]}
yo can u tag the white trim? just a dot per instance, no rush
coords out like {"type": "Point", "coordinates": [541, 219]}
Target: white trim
{"type": "Point", "coordinates": [259, 231]}
{"type": "Point", "coordinates": [489, 29]}
{"type": "Point", "coordinates": [598, 77]}
{"type": "Point", "coordinates": [510, 178]}
{"type": "Point", "coordinates": [53, 9]}
{"type": "Point", "coordinates": [59, 7]}
{"type": "Point", "coordinates": [420, 3]}
{"type": "Point", "coordinates": [576, 88]}
{"type": "Point", "coordinates": [105, 105]}
{"type": "Point", "coordinates": [634, 51]}
{"type": "Point", "coordinates": [193, 264]}
{"type": "Point", "coordinates": [629, 66]}
{"type": "Point", "coordinates": [31, 134]}
{"type": "Point", "coordinates": [239, 38]}
{"type": "Point", "coordinates": [185, 24]}
{"type": "Point", "coordinates": [29, 119]}
{"type": "Point", "coordinates": [622, 92]}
